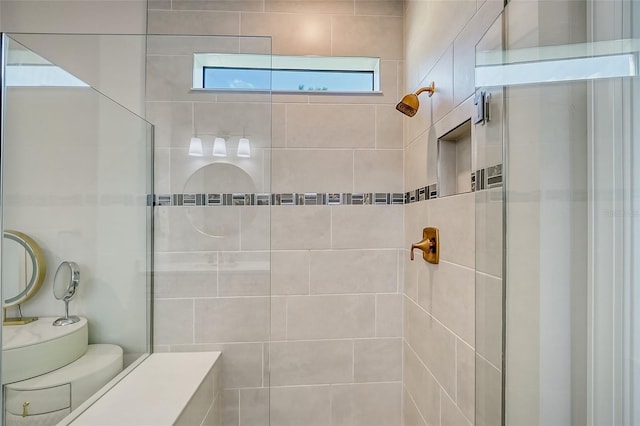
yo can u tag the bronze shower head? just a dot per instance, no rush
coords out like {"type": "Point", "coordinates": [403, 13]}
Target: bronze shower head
{"type": "Point", "coordinates": [409, 104]}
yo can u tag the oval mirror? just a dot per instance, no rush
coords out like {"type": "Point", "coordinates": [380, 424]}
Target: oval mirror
{"type": "Point", "coordinates": [23, 268]}
{"type": "Point", "coordinates": [65, 282]}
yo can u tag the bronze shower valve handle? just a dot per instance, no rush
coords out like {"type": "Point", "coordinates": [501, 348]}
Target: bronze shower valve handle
{"type": "Point", "coordinates": [429, 245]}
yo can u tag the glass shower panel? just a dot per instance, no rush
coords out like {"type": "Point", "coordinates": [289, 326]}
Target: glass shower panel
{"type": "Point", "coordinates": [212, 229]}
{"type": "Point", "coordinates": [76, 177]}
{"type": "Point", "coordinates": [569, 161]}
{"type": "Point", "coordinates": [488, 160]}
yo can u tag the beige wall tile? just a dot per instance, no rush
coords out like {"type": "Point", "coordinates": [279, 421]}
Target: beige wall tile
{"type": "Point", "coordinates": [162, 171]}
{"type": "Point", "coordinates": [354, 271]}
{"type": "Point", "coordinates": [423, 333]}
{"type": "Point", "coordinates": [244, 274]}
{"type": "Point", "coordinates": [489, 231]}
{"type": "Point", "coordinates": [378, 170]}
{"type": "Point", "coordinates": [370, 404]}
{"type": "Point", "coordinates": [223, 5]}
{"type": "Point", "coordinates": [451, 414]}
{"type": "Point", "coordinates": [307, 170]}
{"type": "Point", "coordinates": [290, 272]}
{"type": "Point", "coordinates": [352, 227]}
{"type": "Point", "coordinates": [466, 380]}
{"type": "Point", "coordinates": [255, 228]}
{"type": "Point", "coordinates": [303, 35]}
{"type": "Point", "coordinates": [411, 278]}
{"type": "Point", "coordinates": [173, 321]}
{"type": "Point", "coordinates": [193, 22]}
{"type": "Point", "coordinates": [488, 394]}
{"type": "Point", "coordinates": [430, 28]}
{"type": "Point", "coordinates": [169, 44]}
{"type": "Point", "coordinates": [377, 360]}
{"type": "Point", "coordinates": [447, 291]}
{"type": "Point", "coordinates": [380, 7]}
{"type": "Point", "coordinates": [389, 129]}
{"type": "Point", "coordinates": [278, 318]}
{"type": "Point", "coordinates": [389, 315]}
{"type": "Point", "coordinates": [416, 218]}
{"type": "Point", "coordinates": [310, 6]}
{"type": "Point", "coordinates": [243, 319]}
{"type": "Point", "coordinates": [422, 387]}
{"type": "Point", "coordinates": [300, 228]}
{"type": "Point", "coordinates": [311, 362]}
{"type": "Point", "coordinates": [175, 230]}
{"type": "Point", "coordinates": [489, 318]}
{"type": "Point", "coordinates": [464, 49]}
{"type": "Point", "coordinates": [172, 123]}
{"type": "Point", "coordinates": [366, 36]}
{"type": "Point", "coordinates": [169, 78]}
{"type": "Point", "coordinates": [233, 118]}
{"type": "Point", "coordinates": [330, 126]}
{"type": "Point", "coordinates": [455, 217]}
{"type": "Point", "coordinates": [300, 405]}
{"type": "Point", "coordinates": [415, 161]}
{"type": "Point", "coordinates": [254, 407]}
{"type": "Point", "coordinates": [442, 75]}
{"type": "Point", "coordinates": [328, 317]}
{"type": "Point", "coordinates": [279, 125]}
{"type": "Point", "coordinates": [179, 275]}
{"type": "Point", "coordinates": [231, 407]}
{"type": "Point", "coordinates": [241, 362]}
{"type": "Point", "coordinates": [410, 414]}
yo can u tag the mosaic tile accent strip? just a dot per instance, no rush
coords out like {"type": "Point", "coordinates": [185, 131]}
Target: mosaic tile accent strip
{"type": "Point", "coordinates": [491, 177]}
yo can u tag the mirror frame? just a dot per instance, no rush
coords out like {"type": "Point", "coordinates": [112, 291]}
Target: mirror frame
{"type": "Point", "coordinates": [39, 268]}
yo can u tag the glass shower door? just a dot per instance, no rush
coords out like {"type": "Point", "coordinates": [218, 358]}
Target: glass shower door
{"type": "Point", "coordinates": [570, 211]}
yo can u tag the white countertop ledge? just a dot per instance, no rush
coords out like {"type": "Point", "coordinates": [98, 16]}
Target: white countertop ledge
{"type": "Point", "coordinates": [154, 393]}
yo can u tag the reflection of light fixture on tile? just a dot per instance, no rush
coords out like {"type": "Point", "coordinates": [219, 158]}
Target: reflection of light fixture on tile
{"type": "Point", "coordinates": [219, 148]}
{"type": "Point", "coordinates": [244, 148]}
{"type": "Point", "coordinates": [195, 147]}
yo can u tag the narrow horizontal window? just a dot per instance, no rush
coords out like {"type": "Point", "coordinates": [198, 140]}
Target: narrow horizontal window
{"type": "Point", "coordinates": [286, 73]}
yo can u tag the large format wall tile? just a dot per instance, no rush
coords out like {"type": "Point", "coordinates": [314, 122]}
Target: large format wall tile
{"type": "Point", "coordinates": [290, 272]}
{"type": "Point", "coordinates": [311, 362]}
{"type": "Point", "coordinates": [377, 360]}
{"type": "Point", "coordinates": [354, 271]}
{"type": "Point", "coordinates": [310, 6]}
{"type": "Point", "coordinates": [243, 319]}
{"type": "Point", "coordinates": [300, 228]}
{"type": "Point", "coordinates": [410, 414]}
{"type": "Point", "coordinates": [447, 291]}
{"type": "Point", "coordinates": [455, 217]}
{"type": "Point", "coordinates": [451, 414]}
{"type": "Point", "coordinates": [352, 126]}
{"type": "Point", "coordinates": [422, 387]}
{"type": "Point", "coordinates": [301, 405]}
{"type": "Point", "coordinates": [423, 334]}
{"type": "Point", "coordinates": [465, 383]}
{"type": "Point", "coordinates": [370, 404]}
{"type": "Point", "coordinates": [377, 171]}
{"type": "Point", "coordinates": [367, 36]}
{"type": "Point", "coordinates": [389, 315]}
{"type": "Point", "coordinates": [310, 170]}
{"type": "Point", "coordinates": [192, 22]}
{"type": "Point", "coordinates": [330, 317]}
{"type": "Point", "coordinates": [489, 318]}
{"type": "Point", "coordinates": [173, 321]}
{"type": "Point", "coordinates": [292, 35]}
{"type": "Point", "coordinates": [367, 227]}
{"type": "Point", "coordinates": [254, 407]}
{"type": "Point", "coordinates": [244, 274]}
{"type": "Point", "coordinates": [185, 274]}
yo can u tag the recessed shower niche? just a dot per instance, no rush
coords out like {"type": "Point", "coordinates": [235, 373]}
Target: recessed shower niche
{"type": "Point", "coordinates": [454, 161]}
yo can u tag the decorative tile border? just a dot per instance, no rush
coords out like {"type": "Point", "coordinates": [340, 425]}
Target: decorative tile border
{"type": "Point", "coordinates": [491, 177]}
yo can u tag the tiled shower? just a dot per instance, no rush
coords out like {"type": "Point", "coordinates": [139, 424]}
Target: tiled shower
{"type": "Point", "coordinates": [310, 294]}
{"type": "Point", "coordinates": [295, 262]}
